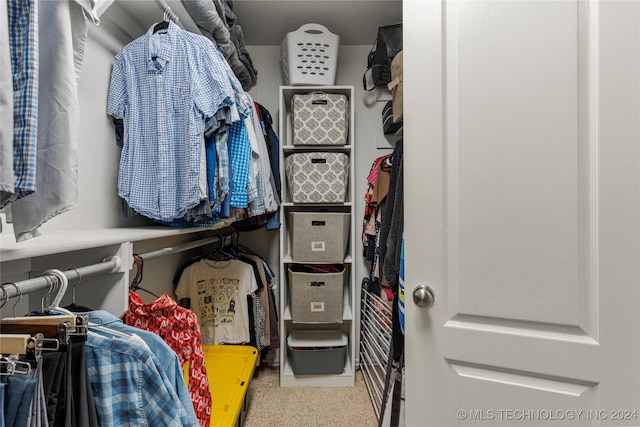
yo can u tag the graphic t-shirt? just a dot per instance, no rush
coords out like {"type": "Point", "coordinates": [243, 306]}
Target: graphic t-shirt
{"type": "Point", "coordinates": [218, 293]}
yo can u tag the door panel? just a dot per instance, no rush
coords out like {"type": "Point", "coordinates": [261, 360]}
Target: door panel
{"type": "Point", "coordinates": [514, 175]}
{"type": "Point", "coordinates": [551, 400]}
{"type": "Point", "coordinates": [522, 185]}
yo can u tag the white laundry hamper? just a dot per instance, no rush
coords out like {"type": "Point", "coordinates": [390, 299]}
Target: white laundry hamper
{"type": "Point", "coordinates": [309, 56]}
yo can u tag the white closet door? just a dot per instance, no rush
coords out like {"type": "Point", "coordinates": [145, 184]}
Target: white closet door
{"type": "Point", "coordinates": [522, 173]}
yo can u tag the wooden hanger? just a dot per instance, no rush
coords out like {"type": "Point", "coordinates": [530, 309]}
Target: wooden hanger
{"type": "Point", "coordinates": [27, 347]}
{"type": "Point", "coordinates": [14, 343]}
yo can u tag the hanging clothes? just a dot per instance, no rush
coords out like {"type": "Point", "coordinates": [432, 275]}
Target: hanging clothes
{"type": "Point", "coordinates": [262, 327]}
{"type": "Point", "coordinates": [240, 166]}
{"type": "Point", "coordinates": [57, 386]}
{"type": "Point", "coordinates": [20, 396]}
{"type": "Point", "coordinates": [392, 223]}
{"type": "Point", "coordinates": [269, 195]}
{"type": "Point", "coordinates": [7, 181]}
{"type": "Point", "coordinates": [167, 358]}
{"type": "Point", "coordinates": [272, 143]}
{"type": "Point", "coordinates": [382, 237]}
{"type": "Point", "coordinates": [63, 396]}
{"type": "Point", "coordinates": [215, 22]}
{"type": "Point", "coordinates": [259, 298]}
{"type": "Point", "coordinates": [129, 386]}
{"type": "Point", "coordinates": [218, 292]}
{"type": "Point", "coordinates": [38, 416]}
{"type": "Point", "coordinates": [159, 169]}
{"type": "Point", "coordinates": [375, 198]}
{"type": "Point", "coordinates": [401, 309]}
{"type": "Point", "coordinates": [63, 27]}
{"type": "Point", "coordinates": [180, 330]}
{"type": "Point", "coordinates": [23, 42]}
{"type": "Point", "coordinates": [228, 163]}
{"type": "Point", "coordinates": [83, 400]}
{"type": "Point", "coordinates": [87, 379]}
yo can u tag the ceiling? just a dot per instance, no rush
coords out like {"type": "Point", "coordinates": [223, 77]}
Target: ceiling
{"type": "Point", "coordinates": [266, 22]}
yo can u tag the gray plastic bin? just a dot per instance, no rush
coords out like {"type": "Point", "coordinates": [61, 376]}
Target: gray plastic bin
{"type": "Point", "coordinates": [317, 352]}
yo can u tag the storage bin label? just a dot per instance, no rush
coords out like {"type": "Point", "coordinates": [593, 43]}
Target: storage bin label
{"type": "Point", "coordinates": [317, 306]}
{"type": "Point", "coordinates": [317, 246]}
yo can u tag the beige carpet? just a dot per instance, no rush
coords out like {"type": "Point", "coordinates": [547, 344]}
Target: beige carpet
{"type": "Point", "coordinates": [270, 405]}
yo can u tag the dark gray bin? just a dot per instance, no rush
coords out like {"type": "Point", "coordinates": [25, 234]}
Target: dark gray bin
{"type": "Point", "coordinates": [317, 352]}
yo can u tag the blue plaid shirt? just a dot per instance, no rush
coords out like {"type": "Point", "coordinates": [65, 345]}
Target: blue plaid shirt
{"type": "Point", "coordinates": [165, 85]}
{"type": "Point", "coordinates": [128, 386]}
{"type": "Point", "coordinates": [23, 40]}
{"type": "Point", "coordinates": [167, 358]}
{"type": "Point", "coordinates": [240, 160]}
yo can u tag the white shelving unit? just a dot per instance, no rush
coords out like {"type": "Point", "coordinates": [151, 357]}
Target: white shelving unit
{"type": "Point", "coordinates": [348, 324]}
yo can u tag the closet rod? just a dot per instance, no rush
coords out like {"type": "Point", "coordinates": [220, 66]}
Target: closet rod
{"type": "Point", "coordinates": [108, 265]}
{"type": "Point", "coordinates": [183, 247]}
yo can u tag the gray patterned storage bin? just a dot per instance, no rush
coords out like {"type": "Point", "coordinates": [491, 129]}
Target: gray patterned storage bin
{"type": "Point", "coordinates": [317, 177]}
{"type": "Point", "coordinates": [320, 119]}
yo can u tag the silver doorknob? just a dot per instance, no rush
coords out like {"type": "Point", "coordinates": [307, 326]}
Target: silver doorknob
{"type": "Point", "coordinates": [423, 296]}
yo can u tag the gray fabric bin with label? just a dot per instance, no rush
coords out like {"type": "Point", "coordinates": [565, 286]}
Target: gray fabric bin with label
{"type": "Point", "coordinates": [316, 293]}
{"type": "Point", "coordinates": [319, 236]}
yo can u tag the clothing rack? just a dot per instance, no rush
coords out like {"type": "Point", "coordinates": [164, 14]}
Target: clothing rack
{"type": "Point", "coordinates": [14, 289]}
{"type": "Point", "coordinates": [108, 265]}
{"type": "Point", "coordinates": [186, 246]}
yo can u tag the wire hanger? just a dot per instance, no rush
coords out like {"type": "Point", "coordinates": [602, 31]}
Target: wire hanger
{"type": "Point", "coordinates": [5, 294]}
{"type": "Point", "coordinates": [73, 289]}
{"type": "Point", "coordinates": [19, 297]}
{"type": "Point", "coordinates": [73, 307]}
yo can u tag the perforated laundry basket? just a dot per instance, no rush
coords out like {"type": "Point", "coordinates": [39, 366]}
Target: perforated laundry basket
{"type": "Point", "coordinates": [309, 56]}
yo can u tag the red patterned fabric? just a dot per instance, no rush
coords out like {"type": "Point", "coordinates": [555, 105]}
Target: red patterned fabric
{"type": "Point", "coordinates": [179, 328]}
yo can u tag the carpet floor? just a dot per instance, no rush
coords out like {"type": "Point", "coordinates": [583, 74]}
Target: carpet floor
{"type": "Point", "coordinates": [270, 405]}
